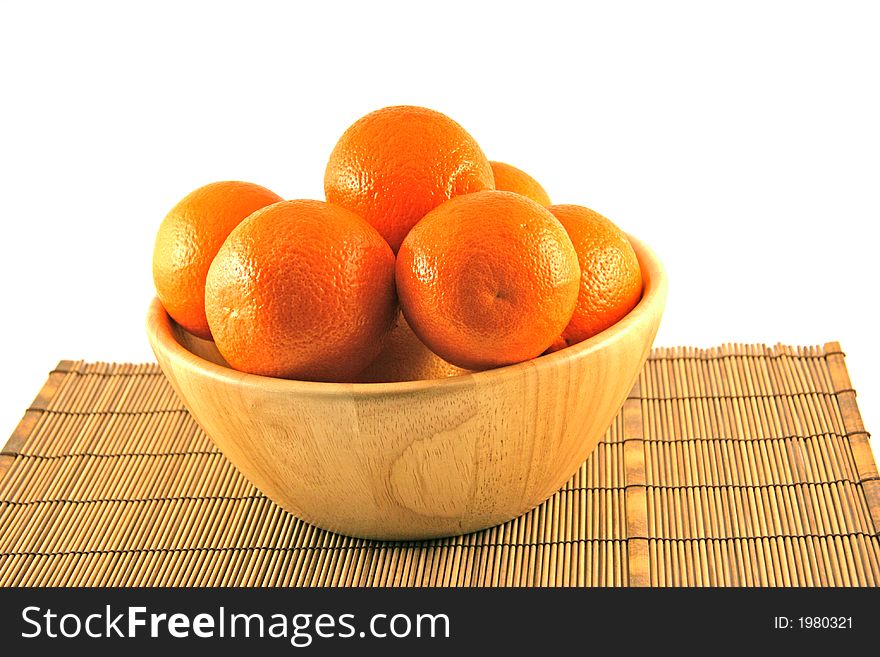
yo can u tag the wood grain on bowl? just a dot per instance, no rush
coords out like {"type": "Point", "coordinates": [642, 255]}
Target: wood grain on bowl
{"type": "Point", "coordinates": [417, 459]}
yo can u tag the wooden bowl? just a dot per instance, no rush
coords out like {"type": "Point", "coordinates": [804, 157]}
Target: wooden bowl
{"type": "Point", "coordinates": [416, 459]}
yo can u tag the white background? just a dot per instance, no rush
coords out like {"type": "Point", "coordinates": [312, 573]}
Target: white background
{"type": "Point", "coordinates": [742, 143]}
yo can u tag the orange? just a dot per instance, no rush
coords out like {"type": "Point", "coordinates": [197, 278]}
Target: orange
{"type": "Point", "coordinates": [488, 279]}
{"type": "Point", "coordinates": [188, 240]}
{"type": "Point", "coordinates": [611, 280]}
{"type": "Point", "coordinates": [510, 179]}
{"type": "Point", "coordinates": [406, 358]}
{"type": "Point", "coordinates": [301, 290]}
{"type": "Point", "coordinates": [394, 165]}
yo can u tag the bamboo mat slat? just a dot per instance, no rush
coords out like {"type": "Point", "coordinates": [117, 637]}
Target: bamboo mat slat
{"type": "Point", "coordinates": [740, 465]}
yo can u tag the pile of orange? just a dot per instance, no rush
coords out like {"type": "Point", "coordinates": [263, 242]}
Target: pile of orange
{"type": "Point", "coordinates": [425, 260]}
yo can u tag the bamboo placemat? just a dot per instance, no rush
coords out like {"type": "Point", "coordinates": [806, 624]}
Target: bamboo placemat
{"type": "Point", "coordinates": [737, 465]}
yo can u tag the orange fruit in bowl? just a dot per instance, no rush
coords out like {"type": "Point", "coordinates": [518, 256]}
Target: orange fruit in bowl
{"type": "Point", "coordinates": [394, 165]}
{"type": "Point", "coordinates": [510, 179]}
{"type": "Point", "coordinates": [488, 279]}
{"type": "Point", "coordinates": [301, 290]}
{"type": "Point", "coordinates": [611, 280]}
{"type": "Point", "coordinates": [406, 358]}
{"type": "Point", "coordinates": [189, 238]}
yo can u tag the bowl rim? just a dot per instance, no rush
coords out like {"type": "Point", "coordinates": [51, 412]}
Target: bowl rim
{"type": "Point", "coordinates": [160, 330]}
